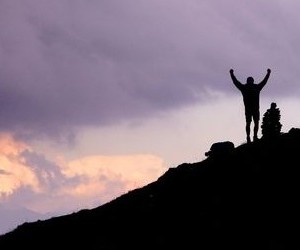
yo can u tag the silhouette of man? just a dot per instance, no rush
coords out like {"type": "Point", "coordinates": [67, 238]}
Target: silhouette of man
{"type": "Point", "coordinates": [250, 92]}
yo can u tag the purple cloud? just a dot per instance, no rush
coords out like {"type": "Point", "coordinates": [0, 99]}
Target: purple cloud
{"type": "Point", "coordinates": [69, 64]}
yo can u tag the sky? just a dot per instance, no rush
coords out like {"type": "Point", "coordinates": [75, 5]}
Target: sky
{"type": "Point", "coordinates": [100, 97]}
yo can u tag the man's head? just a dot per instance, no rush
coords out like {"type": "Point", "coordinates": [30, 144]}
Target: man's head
{"type": "Point", "coordinates": [250, 80]}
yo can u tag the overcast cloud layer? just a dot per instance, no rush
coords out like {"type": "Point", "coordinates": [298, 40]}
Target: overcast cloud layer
{"type": "Point", "coordinates": [66, 64]}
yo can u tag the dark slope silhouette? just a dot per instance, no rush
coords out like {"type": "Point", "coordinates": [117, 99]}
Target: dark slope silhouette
{"type": "Point", "coordinates": [244, 197]}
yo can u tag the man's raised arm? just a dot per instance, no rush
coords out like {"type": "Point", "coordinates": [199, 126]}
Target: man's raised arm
{"type": "Point", "coordinates": [264, 81]}
{"type": "Point", "coordinates": [234, 80]}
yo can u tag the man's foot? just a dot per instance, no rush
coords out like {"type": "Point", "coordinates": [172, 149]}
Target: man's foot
{"type": "Point", "coordinates": [248, 139]}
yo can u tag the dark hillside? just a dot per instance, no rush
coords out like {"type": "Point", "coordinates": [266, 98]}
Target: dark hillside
{"type": "Point", "coordinates": [242, 198]}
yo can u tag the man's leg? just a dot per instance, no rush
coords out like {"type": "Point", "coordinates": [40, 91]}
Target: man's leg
{"type": "Point", "coordinates": [256, 125]}
{"type": "Point", "coordinates": [248, 131]}
{"type": "Point", "coordinates": [255, 130]}
{"type": "Point", "coordinates": [248, 126]}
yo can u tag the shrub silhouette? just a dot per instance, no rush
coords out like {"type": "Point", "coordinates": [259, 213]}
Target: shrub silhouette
{"type": "Point", "coordinates": [271, 126]}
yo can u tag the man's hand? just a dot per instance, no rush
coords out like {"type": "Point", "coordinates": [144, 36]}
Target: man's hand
{"type": "Point", "coordinates": [269, 71]}
{"type": "Point", "coordinates": [231, 71]}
